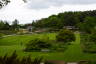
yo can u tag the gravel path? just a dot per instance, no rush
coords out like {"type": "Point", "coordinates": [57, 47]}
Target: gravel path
{"type": "Point", "coordinates": [8, 35]}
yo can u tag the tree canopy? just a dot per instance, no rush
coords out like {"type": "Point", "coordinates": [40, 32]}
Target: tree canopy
{"type": "Point", "coordinates": [4, 3]}
{"type": "Point", "coordinates": [80, 19]}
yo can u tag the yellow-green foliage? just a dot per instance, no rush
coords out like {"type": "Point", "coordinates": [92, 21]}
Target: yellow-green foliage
{"type": "Point", "coordinates": [65, 36]}
{"type": "Point", "coordinates": [1, 34]}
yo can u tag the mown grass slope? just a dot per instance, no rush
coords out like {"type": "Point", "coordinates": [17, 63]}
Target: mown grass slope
{"type": "Point", "coordinates": [73, 52]}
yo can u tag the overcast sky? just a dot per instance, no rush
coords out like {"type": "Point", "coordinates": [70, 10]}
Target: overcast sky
{"type": "Point", "coordinates": [37, 9]}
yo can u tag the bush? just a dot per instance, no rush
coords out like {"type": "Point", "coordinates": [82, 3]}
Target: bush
{"type": "Point", "coordinates": [59, 47]}
{"type": "Point", "coordinates": [1, 34]}
{"type": "Point", "coordinates": [93, 37]}
{"type": "Point", "coordinates": [13, 59]}
{"type": "Point", "coordinates": [88, 43]}
{"type": "Point", "coordinates": [65, 36]}
{"type": "Point", "coordinates": [45, 45]}
{"type": "Point", "coordinates": [37, 45]}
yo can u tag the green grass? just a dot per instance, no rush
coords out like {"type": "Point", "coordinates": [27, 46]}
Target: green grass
{"type": "Point", "coordinates": [73, 52]}
{"type": "Point", "coordinates": [17, 40]}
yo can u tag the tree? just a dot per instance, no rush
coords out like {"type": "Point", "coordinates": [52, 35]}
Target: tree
{"type": "Point", "coordinates": [70, 18]}
{"type": "Point", "coordinates": [38, 44]}
{"type": "Point", "coordinates": [4, 3]}
{"type": "Point", "coordinates": [88, 25]}
{"type": "Point", "coordinates": [24, 1]}
{"type": "Point", "coordinates": [65, 36]}
{"type": "Point", "coordinates": [15, 25]}
{"type": "Point", "coordinates": [1, 25]}
{"type": "Point", "coordinates": [54, 22]}
{"type": "Point", "coordinates": [6, 26]}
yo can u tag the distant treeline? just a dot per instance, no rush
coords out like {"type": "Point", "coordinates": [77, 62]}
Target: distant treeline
{"type": "Point", "coordinates": [4, 25]}
{"type": "Point", "coordinates": [84, 20]}
{"type": "Point", "coordinates": [66, 19]}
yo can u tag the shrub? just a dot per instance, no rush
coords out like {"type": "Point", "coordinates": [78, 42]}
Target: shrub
{"type": "Point", "coordinates": [13, 59]}
{"type": "Point", "coordinates": [88, 43]}
{"type": "Point", "coordinates": [65, 36]}
{"type": "Point", "coordinates": [93, 37]}
{"type": "Point", "coordinates": [59, 47]}
{"type": "Point", "coordinates": [37, 44]}
{"type": "Point", "coordinates": [45, 45]}
{"type": "Point", "coordinates": [1, 34]}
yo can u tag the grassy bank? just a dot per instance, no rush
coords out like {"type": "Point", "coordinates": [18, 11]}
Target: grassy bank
{"type": "Point", "coordinates": [73, 53]}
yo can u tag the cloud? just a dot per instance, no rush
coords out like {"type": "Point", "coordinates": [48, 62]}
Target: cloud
{"type": "Point", "coordinates": [39, 4]}
{"type": "Point", "coordinates": [17, 9]}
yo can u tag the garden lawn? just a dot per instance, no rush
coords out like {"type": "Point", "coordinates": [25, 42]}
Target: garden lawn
{"type": "Point", "coordinates": [72, 53]}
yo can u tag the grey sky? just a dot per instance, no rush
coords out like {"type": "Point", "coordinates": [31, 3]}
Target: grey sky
{"type": "Point", "coordinates": [37, 9]}
{"type": "Point", "coordinates": [39, 4]}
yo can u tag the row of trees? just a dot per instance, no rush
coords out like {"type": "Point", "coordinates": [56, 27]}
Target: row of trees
{"type": "Point", "coordinates": [89, 25]}
{"type": "Point", "coordinates": [4, 25]}
{"type": "Point", "coordinates": [83, 20]}
{"type": "Point", "coordinates": [6, 28]}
